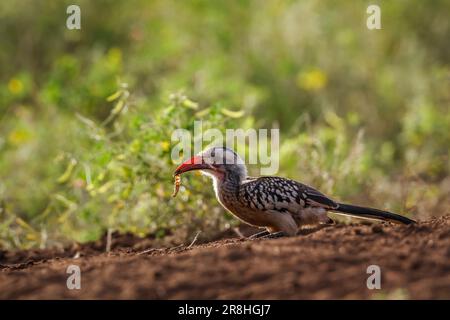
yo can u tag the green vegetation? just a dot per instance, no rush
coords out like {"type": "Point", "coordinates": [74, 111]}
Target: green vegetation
{"type": "Point", "coordinates": [86, 115]}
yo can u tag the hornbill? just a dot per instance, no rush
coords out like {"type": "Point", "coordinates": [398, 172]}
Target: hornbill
{"type": "Point", "coordinates": [280, 205]}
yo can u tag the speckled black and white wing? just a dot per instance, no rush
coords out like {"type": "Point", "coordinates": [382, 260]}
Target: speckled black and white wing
{"type": "Point", "coordinates": [280, 194]}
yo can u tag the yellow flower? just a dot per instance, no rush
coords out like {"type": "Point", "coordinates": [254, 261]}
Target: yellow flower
{"type": "Point", "coordinates": [165, 145]}
{"type": "Point", "coordinates": [15, 86]}
{"type": "Point", "coordinates": [18, 137]}
{"type": "Point", "coordinates": [312, 80]}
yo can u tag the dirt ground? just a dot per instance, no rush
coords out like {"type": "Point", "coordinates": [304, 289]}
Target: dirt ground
{"type": "Point", "coordinates": [327, 264]}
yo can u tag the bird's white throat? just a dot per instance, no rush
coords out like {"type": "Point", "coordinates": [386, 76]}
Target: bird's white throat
{"type": "Point", "coordinates": [215, 180]}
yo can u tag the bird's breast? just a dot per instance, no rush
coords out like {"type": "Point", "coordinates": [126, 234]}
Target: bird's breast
{"type": "Point", "coordinates": [243, 209]}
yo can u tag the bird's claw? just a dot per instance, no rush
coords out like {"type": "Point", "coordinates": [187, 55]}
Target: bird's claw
{"type": "Point", "coordinates": [259, 235]}
{"type": "Point", "coordinates": [267, 235]}
{"type": "Point", "coordinates": [274, 235]}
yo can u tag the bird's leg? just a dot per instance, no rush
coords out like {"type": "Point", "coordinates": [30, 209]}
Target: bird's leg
{"type": "Point", "coordinates": [274, 235]}
{"type": "Point", "coordinates": [259, 235]}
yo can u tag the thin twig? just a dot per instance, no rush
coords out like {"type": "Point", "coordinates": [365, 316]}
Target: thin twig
{"type": "Point", "coordinates": [193, 241]}
{"type": "Point", "coordinates": [109, 239]}
{"type": "Point", "coordinates": [177, 247]}
{"type": "Point", "coordinates": [159, 249]}
{"type": "Point", "coordinates": [238, 232]}
{"type": "Point", "coordinates": [146, 251]}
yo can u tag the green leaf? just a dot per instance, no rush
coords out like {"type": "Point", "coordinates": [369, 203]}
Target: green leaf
{"type": "Point", "coordinates": [118, 107]}
{"type": "Point", "coordinates": [190, 104]}
{"type": "Point", "coordinates": [203, 112]}
{"type": "Point", "coordinates": [114, 96]}
{"type": "Point", "coordinates": [231, 113]}
{"type": "Point", "coordinates": [66, 175]}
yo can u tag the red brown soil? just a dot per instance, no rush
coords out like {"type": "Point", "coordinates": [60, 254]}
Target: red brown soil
{"type": "Point", "coordinates": [327, 264]}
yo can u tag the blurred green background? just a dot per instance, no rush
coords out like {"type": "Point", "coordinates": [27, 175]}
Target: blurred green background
{"type": "Point", "coordinates": [86, 115]}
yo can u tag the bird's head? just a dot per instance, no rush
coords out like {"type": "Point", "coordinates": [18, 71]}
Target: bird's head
{"type": "Point", "coordinates": [219, 162]}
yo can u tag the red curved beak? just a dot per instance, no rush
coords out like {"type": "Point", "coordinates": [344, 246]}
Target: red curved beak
{"type": "Point", "coordinates": [194, 163]}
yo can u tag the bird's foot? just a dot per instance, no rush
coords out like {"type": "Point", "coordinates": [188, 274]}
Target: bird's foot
{"type": "Point", "coordinates": [259, 235]}
{"type": "Point", "coordinates": [274, 235]}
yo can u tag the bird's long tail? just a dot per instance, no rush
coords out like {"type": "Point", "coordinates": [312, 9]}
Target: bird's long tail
{"type": "Point", "coordinates": [371, 213]}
